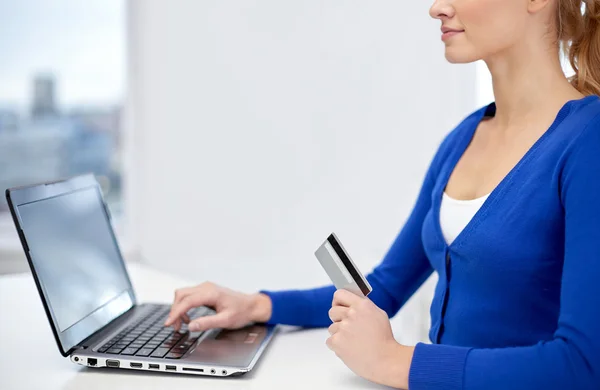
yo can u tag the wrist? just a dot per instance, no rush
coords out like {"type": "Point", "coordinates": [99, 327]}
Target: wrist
{"type": "Point", "coordinates": [261, 307]}
{"type": "Point", "coordinates": [397, 366]}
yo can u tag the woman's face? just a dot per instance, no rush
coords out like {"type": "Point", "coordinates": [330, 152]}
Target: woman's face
{"type": "Point", "coordinates": [480, 29]}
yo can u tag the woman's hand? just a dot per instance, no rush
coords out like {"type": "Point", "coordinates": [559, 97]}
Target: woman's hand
{"type": "Point", "coordinates": [362, 337]}
{"type": "Point", "coordinates": [234, 309]}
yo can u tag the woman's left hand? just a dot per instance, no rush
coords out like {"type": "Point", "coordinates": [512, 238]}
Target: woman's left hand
{"type": "Point", "coordinates": [362, 337]}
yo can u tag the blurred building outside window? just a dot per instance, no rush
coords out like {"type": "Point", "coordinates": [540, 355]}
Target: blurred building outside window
{"type": "Point", "coordinates": [61, 94]}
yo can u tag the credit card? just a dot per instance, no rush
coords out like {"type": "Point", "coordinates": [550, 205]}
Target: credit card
{"type": "Point", "coordinates": [341, 269]}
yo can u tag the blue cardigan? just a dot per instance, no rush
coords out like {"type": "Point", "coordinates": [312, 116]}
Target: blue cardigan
{"type": "Point", "coordinates": [517, 305]}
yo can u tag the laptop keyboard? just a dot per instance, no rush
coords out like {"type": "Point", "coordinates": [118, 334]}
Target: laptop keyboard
{"type": "Point", "coordinates": [149, 338]}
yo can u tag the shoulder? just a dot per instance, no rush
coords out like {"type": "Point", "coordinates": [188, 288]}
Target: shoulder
{"type": "Point", "coordinates": [584, 134]}
{"type": "Point", "coordinates": [579, 165]}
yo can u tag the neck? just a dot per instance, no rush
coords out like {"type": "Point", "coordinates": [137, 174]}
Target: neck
{"type": "Point", "coordinates": [528, 82]}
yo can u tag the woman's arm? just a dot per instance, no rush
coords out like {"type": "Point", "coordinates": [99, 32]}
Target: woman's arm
{"type": "Point", "coordinates": [404, 268]}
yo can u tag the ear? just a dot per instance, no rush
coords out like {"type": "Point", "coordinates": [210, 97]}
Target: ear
{"type": "Point", "coordinates": [535, 6]}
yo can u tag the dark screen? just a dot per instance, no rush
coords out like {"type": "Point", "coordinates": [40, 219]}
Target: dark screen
{"type": "Point", "coordinates": [74, 254]}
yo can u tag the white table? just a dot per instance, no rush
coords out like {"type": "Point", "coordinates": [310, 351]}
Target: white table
{"type": "Point", "coordinates": [29, 358]}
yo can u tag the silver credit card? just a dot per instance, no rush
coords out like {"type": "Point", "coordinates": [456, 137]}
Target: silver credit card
{"type": "Point", "coordinates": [341, 269]}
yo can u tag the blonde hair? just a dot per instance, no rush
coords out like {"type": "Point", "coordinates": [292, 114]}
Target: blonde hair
{"type": "Point", "coordinates": [579, 35]}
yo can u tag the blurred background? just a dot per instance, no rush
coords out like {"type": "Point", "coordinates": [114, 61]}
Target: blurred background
{"type": "Point", "coordinates": [230, 137]}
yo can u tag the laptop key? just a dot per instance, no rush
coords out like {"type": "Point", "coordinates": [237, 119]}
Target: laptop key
{"type": "Point", "coordinates": [144, 352]}
{"type": "Point", "coordinates": [172, 355]}
{"type": "Point", "coordinates": [175, 338]}
{"type": "Point", "coordinates": [114, 350]}
{"type": "Point", "coordinates": [129, 351]}
{"type": "Point", "coordinates": [160, 352]}
{"type": "Point", "coordinates": [179, 350]}
{"type": "Point", "coordinates": [169, 344]}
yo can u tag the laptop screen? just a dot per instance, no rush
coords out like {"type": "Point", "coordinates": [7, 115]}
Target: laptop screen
{"type": "Point", "coordinates": [76, 259]}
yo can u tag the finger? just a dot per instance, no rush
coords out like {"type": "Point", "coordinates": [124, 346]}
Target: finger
{"type": "Point", "coordinates": [338, 313]}
{"type": "Point", "coordinates": [202, 297]}
{"type": "Point", "coordinates": [181, 293]}
{"type": "Point", "coordinates": [171, 319]}
{"type": "Point", "coordinates": [345, 298]}
{"type": "Point", "coordinates": [334, 328]}
{"type": "Point", "coordinates": [177, 324]}
{"type": "Point", "coordinates": [330, 343]}
{"type": "Point", "coordinates": [219, 320]}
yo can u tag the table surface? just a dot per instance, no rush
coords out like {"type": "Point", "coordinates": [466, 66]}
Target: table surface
{"type": "Point", "coordinates": [294, 359]}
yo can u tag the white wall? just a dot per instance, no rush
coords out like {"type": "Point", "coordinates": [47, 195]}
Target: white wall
{"type": "Point", "coordinates": [261, 126]}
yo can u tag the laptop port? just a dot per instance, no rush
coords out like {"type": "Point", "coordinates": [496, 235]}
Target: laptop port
{"type": "Point", "coordinates": [171, 368]}
{"type": "Point", "coordinates": [135, 365]}
{"type": "Point", "coordinates": [92, 362]}
{"type": "Point", "coordinates": [154, 366]}
{"type": "Point", "coordinates": [193, 369]}
{"type": "Point", "coordinates": [113, 363]}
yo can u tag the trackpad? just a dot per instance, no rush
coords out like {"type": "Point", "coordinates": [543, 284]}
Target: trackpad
{"type": "Point", "coordinates": [230, 347]}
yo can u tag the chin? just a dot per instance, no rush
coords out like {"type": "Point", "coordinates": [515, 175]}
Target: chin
{"type": "Point", "coordinates": [454, 56]}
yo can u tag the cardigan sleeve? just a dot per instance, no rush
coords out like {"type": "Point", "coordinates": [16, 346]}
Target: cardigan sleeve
{"type": "Point", "coordinates": [403, 269]}
{"type": "Point", "coordinates": [571, 359]}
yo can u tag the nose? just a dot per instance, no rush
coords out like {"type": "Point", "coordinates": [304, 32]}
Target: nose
{"type": "Point", "coordinates": [441, 9]}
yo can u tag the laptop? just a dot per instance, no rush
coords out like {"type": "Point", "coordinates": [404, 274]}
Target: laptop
{"type": "Point", "coordinates": [66, 233]}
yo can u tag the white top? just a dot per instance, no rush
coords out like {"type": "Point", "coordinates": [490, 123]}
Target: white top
{"type": "Point", "coordinates": [455, 214]}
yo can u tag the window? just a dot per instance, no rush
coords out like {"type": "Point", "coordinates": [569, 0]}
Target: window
{"type": "Point", "coordinates": [62, 88]}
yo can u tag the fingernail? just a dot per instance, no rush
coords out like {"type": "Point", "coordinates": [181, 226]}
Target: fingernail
{"type": "Point", "coordinates": [193, 327]}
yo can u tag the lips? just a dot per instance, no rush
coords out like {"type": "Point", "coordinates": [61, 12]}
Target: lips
{"type": "Point", "coordinates": [448, 32]}
{"type": "Point", "coordinates": [446, 29]}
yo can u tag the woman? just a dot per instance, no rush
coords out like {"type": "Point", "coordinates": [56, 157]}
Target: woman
{"type": "Point", "coordinates": [508, 215]}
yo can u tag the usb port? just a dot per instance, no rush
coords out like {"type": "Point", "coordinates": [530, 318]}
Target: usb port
{"type": "Point", "coordinates": [112, 363]}
{"type": "Point", "coordinates": [153, 366]}
{"type": "Point", "coordinates": [171, 368]}
{"type": "Point", "coordinates": [135, 365]}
